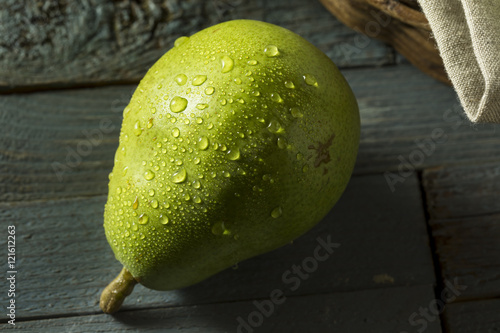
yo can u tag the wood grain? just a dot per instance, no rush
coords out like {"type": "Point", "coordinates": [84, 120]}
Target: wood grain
{"type": "Point", "coordinates": [381, 274]}
{"type": "Point", "coordinates": [101, 42]}
{"type": "Point", "coordinates": [402, 113]}
{"type": "Point", "coordinates": [463, 190]}
{"type": "Point", "coordinates": [67, 261]}
{"type": "Point", "coordinates": [469, 251]}
{"type": "Point", "coordinates": [462, 202]}
{"type": "Point", "coordinates": [381, 310]}
{"type": "Point", "coordinates": [472, 317]}
{"type": "Point", "coordinates": [59, 144]}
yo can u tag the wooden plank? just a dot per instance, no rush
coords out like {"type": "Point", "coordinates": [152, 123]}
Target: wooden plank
{"type": "Point", "coordinates": [462, 190]}
{"type": "Point", "coordinates": [462, 201]}
{"type": "Point", "coordinates": [410, 122]}
{"type": "Point", "coordinates": [54, 139]}
{"type": "Point", "coordinates": [64, 261]}
{"type": "Point", "coordinates": [381, 310]}
{"type": "Point", "coordinates": [66, 44]}
{"type": "Point", "coordinates": [473, 317]}
{"type": "Point", "coordinates": [469, 252]}
{"type": "Point", "coordinates": [43, 131]}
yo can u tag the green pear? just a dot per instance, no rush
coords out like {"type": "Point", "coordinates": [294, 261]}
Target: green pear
{"type": "Point", "coordinates": [237, 141]}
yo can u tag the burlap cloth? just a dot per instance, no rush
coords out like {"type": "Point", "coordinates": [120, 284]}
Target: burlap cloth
{"type": "Point", "coordinates": [467, 33]}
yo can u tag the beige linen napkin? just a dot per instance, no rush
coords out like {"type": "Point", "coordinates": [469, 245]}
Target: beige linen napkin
{"type": "Point", "coordinates": [467, 33]}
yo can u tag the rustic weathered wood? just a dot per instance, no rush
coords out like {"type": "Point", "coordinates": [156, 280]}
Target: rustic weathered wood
{"type": "Point", "coordinates": [381, 310]}
{"type": "Point", "coordinates": [58, 43]}
{"type": "Point", "coordinates": [59, 144]}
{"type": "Point", "coordinates": [64, 261]}
{"type": "Point", "coordinates": [66, 44]}
{"type": "Point", "coordinates": [46, 151]}
{"type": "Point", "coordinates": [381, 274]}
{"type": "Point", "coordinates": [409, 121]}
{"type": "Point", "coordinates": [463, 204]}
{"type": "Point", "coordinates": [463, 190]}
{"type": "Point", "coordinates": [469, 252]}
{"type": "Point", "coordinates": [473, 317]}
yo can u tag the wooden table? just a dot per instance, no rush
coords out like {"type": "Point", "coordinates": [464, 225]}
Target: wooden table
{"type": "Point", "coordinates": [418, 226]}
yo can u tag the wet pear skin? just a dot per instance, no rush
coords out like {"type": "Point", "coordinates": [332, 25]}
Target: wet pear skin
{"type": "Point", "coordinates": [237, 141]}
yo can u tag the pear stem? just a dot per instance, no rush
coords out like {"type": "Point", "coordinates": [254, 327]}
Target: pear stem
{"type": "Point", "coordinates": [114, 294]}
